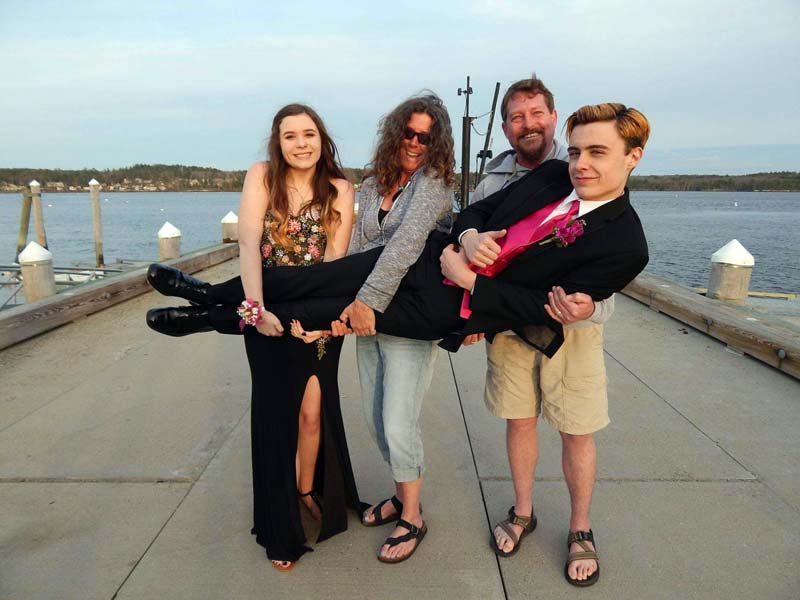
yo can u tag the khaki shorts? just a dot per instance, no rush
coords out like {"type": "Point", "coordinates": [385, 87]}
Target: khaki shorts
{"type": "Point", "coordinates": [568, 390]}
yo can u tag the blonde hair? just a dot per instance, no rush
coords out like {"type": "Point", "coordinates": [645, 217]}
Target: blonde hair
{"type": "Point", "coordinates": [631, 124]}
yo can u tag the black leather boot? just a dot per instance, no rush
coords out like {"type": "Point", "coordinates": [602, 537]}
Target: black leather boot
{"type": "Point", "coordinates": [178, 321]}
{"type": "Point", "coordinates": [173, 282]}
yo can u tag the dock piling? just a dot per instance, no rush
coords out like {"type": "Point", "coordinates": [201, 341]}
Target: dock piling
{"type": "Point", "coordinates": [94, 195]}
{"type": "Point", "coordinates": [731, 268]}
{"type": "Point", "coordinates": [24, 223]}
{"type": "Point", "coordinates": [230, 228]}
{"type": "Point", "coordinates": [169, 242]}
{"type": "Point", "coordinates": [38, 278]}
{"type": "Point", "coordinates": [38, 217]}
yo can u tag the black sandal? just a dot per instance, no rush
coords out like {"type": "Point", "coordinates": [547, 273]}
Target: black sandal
{"type": "Point", "coordinates": [414, 533]}
{"type": "Point", "coordinates": [528, 524]}
{"type": "Point", "coordinates": [580, 538]}
{"type": "Point", "coordinates": [315, 498]}
{"type": "Point", "coordinates": [378, 519]}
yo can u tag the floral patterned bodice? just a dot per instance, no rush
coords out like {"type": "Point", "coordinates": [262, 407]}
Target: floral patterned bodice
{"type": "Point", "coordinates": [307, 241]}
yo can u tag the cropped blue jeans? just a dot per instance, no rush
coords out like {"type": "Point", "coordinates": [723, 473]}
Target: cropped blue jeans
{"type": "Point", "coordinates": [395, 374]}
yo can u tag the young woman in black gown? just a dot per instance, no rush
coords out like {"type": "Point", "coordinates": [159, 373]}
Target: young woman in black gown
{"type": "Point", "coordinates": [296, 210]}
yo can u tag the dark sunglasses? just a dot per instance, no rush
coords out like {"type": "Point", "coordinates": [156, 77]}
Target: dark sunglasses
{"type": "Point", "coordinates": [422, 138]}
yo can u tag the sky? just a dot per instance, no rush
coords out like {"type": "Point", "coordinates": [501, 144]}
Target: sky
{"type": "Point", "coordinates": [116, 82]}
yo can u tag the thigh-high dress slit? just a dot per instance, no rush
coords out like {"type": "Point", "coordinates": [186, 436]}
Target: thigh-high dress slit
{"type": "Point", "coordinates": [280, 368]}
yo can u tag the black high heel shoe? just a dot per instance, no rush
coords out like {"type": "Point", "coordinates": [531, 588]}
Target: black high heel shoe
{"type": "Point", "coordinates": [178, 321]}
{"type": "Point", "coordinates": [316, 499]}
{"type": "Point", "coordinates": [170, 281]}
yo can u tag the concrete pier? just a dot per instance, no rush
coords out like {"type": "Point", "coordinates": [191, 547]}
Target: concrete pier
{"type": "Point", "coordinates": [125, 473]}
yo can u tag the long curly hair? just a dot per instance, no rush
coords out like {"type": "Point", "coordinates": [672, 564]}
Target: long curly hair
{"type": "Point", "coordinates": [440, 157]}
{"type": "Point", "coordinates": [327, 168]}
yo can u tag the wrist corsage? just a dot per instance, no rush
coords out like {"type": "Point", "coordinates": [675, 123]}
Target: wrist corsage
{"type": "Point", "coordinates": [250, 312]}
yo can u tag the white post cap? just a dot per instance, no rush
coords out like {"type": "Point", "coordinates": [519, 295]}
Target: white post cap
{"type": "Point", "coordinates": [230, 218]}
{"type": "Point", "coordinates": [35, 184]}
{"type": "Point", "coordinates": [34, 253]}
{"type": "Point", "coordinates": [94, 182]}
{"type": "Point", "coordinates": [733, 253]}
{"type": "Point", "coordinates": [168, 230]}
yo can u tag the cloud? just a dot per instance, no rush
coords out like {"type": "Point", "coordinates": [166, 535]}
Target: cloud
{"type": "Point", "coordinates": [503, 10]}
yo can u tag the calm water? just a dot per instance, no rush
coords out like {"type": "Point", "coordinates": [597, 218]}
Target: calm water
{"type": "Point", "coordinates": [683, 229]}
{"type": "Point", "coordinates": [130, 223]}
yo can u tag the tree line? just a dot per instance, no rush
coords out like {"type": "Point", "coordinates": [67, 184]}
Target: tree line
{"type": "Point", "coordinates": [171, 177]}
{"type": "Point", "coordinates": [783, 181]}
{"type": "Point", "coordinates": [187, 178]}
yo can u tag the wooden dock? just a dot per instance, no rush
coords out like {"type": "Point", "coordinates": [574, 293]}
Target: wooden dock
{"type": "Point", "coordinates": [125, 473]}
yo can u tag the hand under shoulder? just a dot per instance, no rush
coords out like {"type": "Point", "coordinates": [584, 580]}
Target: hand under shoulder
{"type": "Point", "coordinates": [345, 198]}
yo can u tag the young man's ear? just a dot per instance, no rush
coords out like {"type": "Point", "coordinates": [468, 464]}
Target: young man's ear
{"type": "Point", "coordinates": [633, 157]}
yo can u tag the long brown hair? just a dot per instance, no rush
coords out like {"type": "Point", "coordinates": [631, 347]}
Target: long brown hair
{"type": "Point", "coordinates": [440, 158]}
{"type": "Point", "coordinates": [327, 168]}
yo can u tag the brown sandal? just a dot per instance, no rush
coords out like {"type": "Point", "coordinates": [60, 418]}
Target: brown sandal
{"type": "Point", "coordinates": [580, 538]}
{"type": "Point", "coordinates": [528, 524]}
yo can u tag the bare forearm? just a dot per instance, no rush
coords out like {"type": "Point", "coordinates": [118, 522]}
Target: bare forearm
{"type": "Point", "coordinates": [250, 267]}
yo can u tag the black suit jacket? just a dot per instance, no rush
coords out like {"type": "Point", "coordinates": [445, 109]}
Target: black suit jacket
{"type": "Point", "coordinates": [608, 256]}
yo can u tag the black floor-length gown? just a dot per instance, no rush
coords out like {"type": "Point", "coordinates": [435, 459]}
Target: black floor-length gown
{"type": "Point", "coordinates": [280, 368]}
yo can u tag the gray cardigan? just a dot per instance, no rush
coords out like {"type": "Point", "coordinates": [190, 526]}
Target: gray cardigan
{"type": "Point", "coordinates": [425, 204]}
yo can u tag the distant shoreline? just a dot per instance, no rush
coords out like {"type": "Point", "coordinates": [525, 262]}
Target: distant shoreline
{"type": "Point", "coordinates": [181, 178]}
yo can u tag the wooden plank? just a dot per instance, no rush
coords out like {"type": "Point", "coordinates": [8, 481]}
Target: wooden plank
{"type": "Point", "coordinates": [754, 333]}
{"type": "Point", "coordinates": [26, 321]}
{"type": "Point", "coordinates": [781, 295]}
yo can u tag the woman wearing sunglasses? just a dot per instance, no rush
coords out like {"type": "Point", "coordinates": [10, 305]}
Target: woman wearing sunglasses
{"type": "Point", "coordinates": [407, 194]}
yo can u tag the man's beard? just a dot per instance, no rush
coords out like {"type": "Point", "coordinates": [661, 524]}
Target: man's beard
{"type": "Point", "coordinates": [536, 155]}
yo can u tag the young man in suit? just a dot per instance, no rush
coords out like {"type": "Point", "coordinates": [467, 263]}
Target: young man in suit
{"type": "Point", "coordinates": [606, 143]}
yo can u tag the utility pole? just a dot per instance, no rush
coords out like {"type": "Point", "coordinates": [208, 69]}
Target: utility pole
{"type": "Point", "coordinates": [486, 153]}
{"type": "Point", "coordinates": [466, 123]}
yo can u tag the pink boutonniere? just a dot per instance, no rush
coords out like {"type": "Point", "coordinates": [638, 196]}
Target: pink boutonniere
{"type": "Point", "coordinates": [566, 235]}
